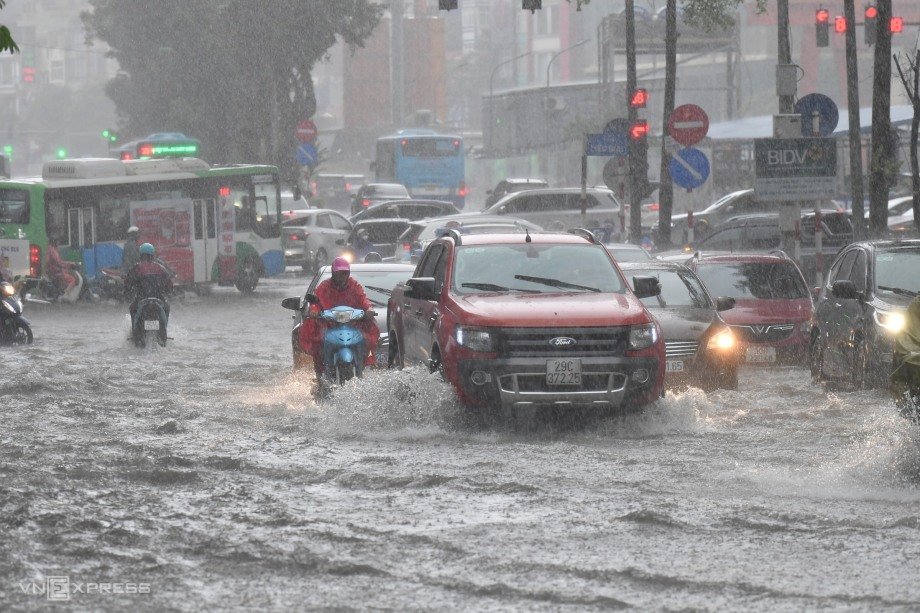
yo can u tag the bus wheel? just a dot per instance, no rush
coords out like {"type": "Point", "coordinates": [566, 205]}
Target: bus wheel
{"type": "Point", "coordinates": [248, 276]}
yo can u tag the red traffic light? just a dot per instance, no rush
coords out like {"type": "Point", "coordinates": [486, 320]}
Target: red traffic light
{"type": "Point", "coordinates": [822, 16]}
{"type": "Point", "coordinates": [871, 12]}
{"type": "Point", "coordinates": [896, 26]}
{"type": "Point", "coordinates": [840, 25]}
{"type": "Point", "coordinates": [638, 130]}
{"type": "Point", "coordinates": [639, 98]}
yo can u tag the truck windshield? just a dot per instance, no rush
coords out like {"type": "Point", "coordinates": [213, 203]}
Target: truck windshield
{"type": "Point", "coordinates": [534, 268]}
{"type": "Point", "coordinates": [754, 280]}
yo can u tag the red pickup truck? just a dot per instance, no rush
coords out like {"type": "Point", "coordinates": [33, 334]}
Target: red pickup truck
{"type": "Point", "coordinates": [515, 320]}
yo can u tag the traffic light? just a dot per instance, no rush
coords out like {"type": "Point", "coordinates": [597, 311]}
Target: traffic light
{"type": "Point", "coordinates": [638, 131]}
{"type": "Point", "coordinates": [110, 136]}
{"type": "Point", "coordinates": [8, 151]}
{"type": "Point", "coordinates": [447, 5]}
{"type": "Point", "coordinates": [639, 98]}
{"type": "Point", "coordinates": [61, 153]}
{"type": "Point", "coordinates": [28, 66]}
{"type": "Point", "coordinates": [822, 25]}
{"type": "Point", "coordinates": [871, 16]}
{"type": "Point", "coordinates": [896, 25]}
{"type": "Point", "coordinates": [531, 5]}
{"type": "Point", "coordinates": [840, 25]}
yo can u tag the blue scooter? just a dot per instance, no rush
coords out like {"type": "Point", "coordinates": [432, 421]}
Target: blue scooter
{"type": "Point", "coordinates": [343, 344]}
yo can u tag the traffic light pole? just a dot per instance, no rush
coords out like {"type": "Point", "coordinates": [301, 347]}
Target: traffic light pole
{"type": "Point", "coordinates": [635, 197]}
{"type": "Point", "coordinates": [856, 170]}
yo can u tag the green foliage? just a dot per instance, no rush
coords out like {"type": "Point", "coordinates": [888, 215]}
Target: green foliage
{"type": "Point", "coordinates": [6, 39]}
{"type": "Point", "coordinates": [712, 15]}
{"type": "Point", "coordinates": [233, 73]}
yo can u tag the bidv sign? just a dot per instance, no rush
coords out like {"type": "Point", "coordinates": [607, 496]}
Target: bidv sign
{"type": "Point", "coordinates": [787, 169]}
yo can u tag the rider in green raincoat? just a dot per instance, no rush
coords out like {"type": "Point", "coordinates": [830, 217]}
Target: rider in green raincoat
{"type": "Point", "coordinates": [905, 380]}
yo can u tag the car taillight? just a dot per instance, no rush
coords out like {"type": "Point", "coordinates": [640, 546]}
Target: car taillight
{"type": "Point", "coordinates": [347, 187]}
{"type": "Point", "coordinates": [365, 202]}
{"type": "Point", "coordinates": [294, 237]}
{"type": "Point", "coordinates": [463, 191]}
{"type": "Point", "coordinates": [407, 246]}
{"type": "Point", "coordinates": [35, 260]}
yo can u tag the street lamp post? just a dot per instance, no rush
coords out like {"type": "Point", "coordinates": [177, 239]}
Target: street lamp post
{"type": "Point", "coordinates": [491, 96]}
{"type": "Point", "coordinates": [549, 66]}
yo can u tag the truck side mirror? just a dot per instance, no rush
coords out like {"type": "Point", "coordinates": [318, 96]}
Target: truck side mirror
{"type": "Point", "coordinates": [422, 288]}
{"type": "Point", "coordinates": [646, 287]}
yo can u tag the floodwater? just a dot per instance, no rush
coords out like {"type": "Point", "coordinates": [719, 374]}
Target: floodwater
{"type": "Point", "coordinates": [202, 476]}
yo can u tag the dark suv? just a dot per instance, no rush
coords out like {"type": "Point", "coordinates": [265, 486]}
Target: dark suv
{"type": "Point", "coordinates": [861, 308]}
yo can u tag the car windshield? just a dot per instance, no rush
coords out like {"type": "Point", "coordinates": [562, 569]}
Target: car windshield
{"type": "Point", "coordinates": [629, 254]}
{"type": "Point", "coordinates": [897, 269]}
{"type": "Point", "coordinates": [386, 191]}
{"type": "Point", "coordinates": [380, 233]}
{"type": "Point", "coordinates": [534, 268]}
{"type": "Point", "coordinates": [378, 284]}
{"type": "Point", "coordinates": [718, 203]}
{"type": "Point", "coordinates": [753, 280]}
{"type": "Point", "coordinates": [679, 288]}
{"type": "Point", "coordinates": [900, 206]}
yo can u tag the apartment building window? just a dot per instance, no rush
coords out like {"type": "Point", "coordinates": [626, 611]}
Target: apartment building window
{"type": "Point", "coordinates": [546, 21]}
{"type": "Point", "coordinates": [57, 71]}
{"type": "Point", "coordinates": [6, 73]}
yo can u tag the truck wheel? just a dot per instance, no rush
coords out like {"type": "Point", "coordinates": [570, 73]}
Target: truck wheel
{"type": "Point", "coordinates": [248, 276]}
{"type": "Point", "coordinates": [394, 354]}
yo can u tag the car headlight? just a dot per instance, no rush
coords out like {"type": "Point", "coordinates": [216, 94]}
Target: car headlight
{"type": "Point", "coordinates": [642, 337]}
{"type": "Point", "coordinates": [475, 339]}
{"type": "Point", "coordinates": [892, 321]}
{"type": "Point", "coordinates": [723, 340]}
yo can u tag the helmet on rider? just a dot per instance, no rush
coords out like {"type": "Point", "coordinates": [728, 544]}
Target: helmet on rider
{"type": "Point", "coordinates": [341, 270]}
{"type": "Point", "coordinates": [147, 250]}
{"type": "Point", "coordinates": [133, 230]}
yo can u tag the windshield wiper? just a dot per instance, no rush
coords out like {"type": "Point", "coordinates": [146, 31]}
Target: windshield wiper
{"type": "Point", "coordinates": [556, 283]}
{"type": "Point", "coordinates": [380, 290]}
{"type": "Point", "coordinates": [899, 291]}
{"type": "Point", "coordinates": [492, 287]}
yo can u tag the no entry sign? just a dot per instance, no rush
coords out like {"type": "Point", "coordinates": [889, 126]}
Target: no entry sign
{"type": "Point", "coordinates": [306, 131]}
{"type": "Point", "coordinates": [688, 124]}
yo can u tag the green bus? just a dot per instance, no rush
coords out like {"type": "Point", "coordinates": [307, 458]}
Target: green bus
{"type": "Point", "coordinates": [210, 224]}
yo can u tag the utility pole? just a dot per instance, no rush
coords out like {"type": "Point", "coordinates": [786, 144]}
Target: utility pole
{"type": "Point", "coordinates": [856, 170]}
{"type": "Point", "coordinates": [665, 187]}
{"type": "Point", "coordinates": [635, 197]}
{"type": "Point", "coordinates": [398, 63]}
{"type": "Point", "coordinates": [783, 53]}
{"type": "Point", "coordinates": [881, 123]}
{"type": "Point", "coordinates": [790, 213]}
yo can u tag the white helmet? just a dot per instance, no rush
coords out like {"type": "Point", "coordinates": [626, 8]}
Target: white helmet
{"type": "Point", "coordinates": [134, 230]}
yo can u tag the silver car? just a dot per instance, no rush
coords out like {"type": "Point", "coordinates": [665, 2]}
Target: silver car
{"type": "Point", "coordinates": [310, 239]}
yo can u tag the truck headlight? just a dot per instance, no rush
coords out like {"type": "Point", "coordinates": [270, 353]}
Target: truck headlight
{"type": "Point", "coordinates": [723, 340]}
{"type": "Point", "coordinates": [892, 321]}
{"type": "Point", "coordinates": [642, 337]}
{"type": "Point", "coordinates": [474, 339]}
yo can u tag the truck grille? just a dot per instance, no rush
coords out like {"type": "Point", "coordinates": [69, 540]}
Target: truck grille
{"type": "Point", "coordinates": [562, 342]}
{"type": "Point", "coordinates": [680, 349]}
{"type": "Point", "coordinates": [767, 333]}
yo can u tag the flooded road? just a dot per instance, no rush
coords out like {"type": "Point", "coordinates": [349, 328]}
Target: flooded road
{"type": "Point", "coordinates": [201, 476]}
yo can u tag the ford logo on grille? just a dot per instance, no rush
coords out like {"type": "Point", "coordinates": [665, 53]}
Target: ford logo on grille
{"type": "Point", "coordinates": [562, 341]}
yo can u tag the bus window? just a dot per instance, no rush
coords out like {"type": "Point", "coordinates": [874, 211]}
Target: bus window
{"type": "Point", "coordinates": [430, 147]}
{"type": "Point", "coordinates": [56, 219]}
{"type": "Point", "coordinates": [113, 221]}
{"type": "Point", "coordinates": [267, 205]}
{"type": "Point", "coordinates": [14, 206]}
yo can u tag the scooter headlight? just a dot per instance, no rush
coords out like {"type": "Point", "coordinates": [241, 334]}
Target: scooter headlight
{"type": "Point", "coordinates": [892, 321]}
{"type": "Point", "coordinates": [7, 290]}
{"type": "Point", "coordinates": [343, 317]}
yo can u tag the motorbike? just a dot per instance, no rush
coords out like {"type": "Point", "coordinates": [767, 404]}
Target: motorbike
{"type": "Point", "coordinates": [343, 344]}
{"type": "Point", "coordinates": [110, 285]}
{"type": "Point", "coordinates": [14, 328]}
{"type": "Point", "coordinates": [150, 319]}
{"type": "Point", "coordinates": [47, 291]}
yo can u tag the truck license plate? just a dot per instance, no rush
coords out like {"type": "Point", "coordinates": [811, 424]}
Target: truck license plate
{"type": "Point", "coordinates": [760, 355]}
{"type": "Point", "coordinates": [563, 372]}
{"type": "Point", "coordinates": [152, 324]}
{"type": "Point", "coordinates": [674, 366]}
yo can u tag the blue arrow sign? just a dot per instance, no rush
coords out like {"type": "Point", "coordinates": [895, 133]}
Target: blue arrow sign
{"type": "Point", "coordinates": [306, 154]}
{"type": "Point", "coordinates": [689, 168]}
{"type": "Point", "coordinates": [607, 144]}
{"type": "Point", "coordinates": [819, 115]}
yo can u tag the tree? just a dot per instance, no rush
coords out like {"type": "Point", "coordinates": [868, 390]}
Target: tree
{"type": "Point", "coordinates": [234, 73]}
{"type": "Point", "coordinates": [911, 82]}
{"type": "Point", "coordinates": [6, 38]}
{"type": "Point", "coordinates": [880, 165]}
